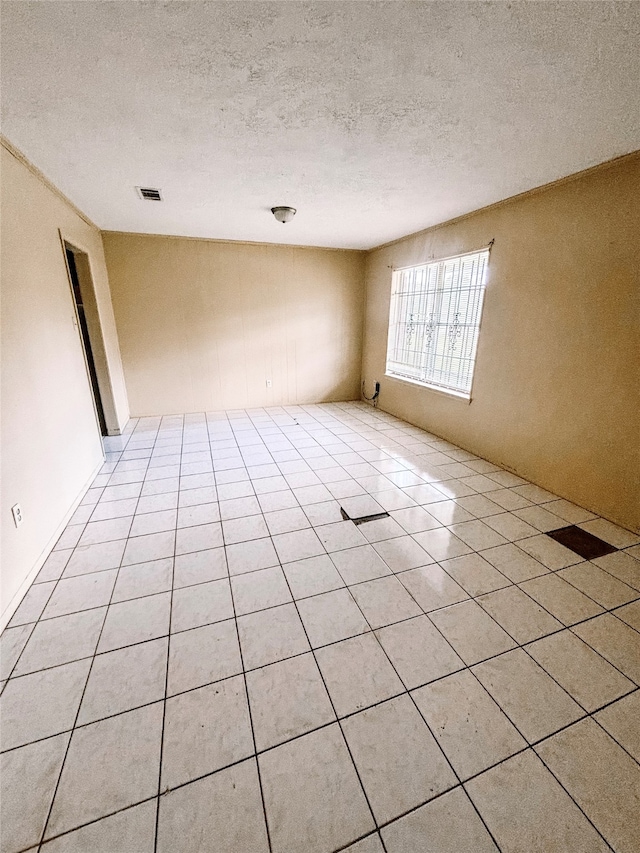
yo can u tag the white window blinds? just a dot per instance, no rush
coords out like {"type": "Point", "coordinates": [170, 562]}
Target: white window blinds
{"type": "Point", "coordinates": [435, 319]}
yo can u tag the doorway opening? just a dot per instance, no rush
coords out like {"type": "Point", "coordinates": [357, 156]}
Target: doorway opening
{"type": "Point", "coordinates": [82, 287]}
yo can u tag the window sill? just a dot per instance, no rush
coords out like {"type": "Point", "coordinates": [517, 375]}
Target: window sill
{"type": "Point", "coordinates": [451, 395]}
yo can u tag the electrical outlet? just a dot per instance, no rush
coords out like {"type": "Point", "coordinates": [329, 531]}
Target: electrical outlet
{"type": "Point", "coordinates": [268, 383]}
{"type": "Point", "coordinates": [16, 512]}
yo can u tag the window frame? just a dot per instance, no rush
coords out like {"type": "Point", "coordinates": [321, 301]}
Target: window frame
{"type": "Point", "coordinates": [417, 380]}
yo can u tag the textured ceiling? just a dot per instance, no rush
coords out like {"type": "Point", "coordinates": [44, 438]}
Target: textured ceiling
{"type": "Point", "coordinates": [373, 119]}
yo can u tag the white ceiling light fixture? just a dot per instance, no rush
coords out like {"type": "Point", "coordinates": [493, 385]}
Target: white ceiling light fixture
{"type": "Point", "coordinates": [283, 214]}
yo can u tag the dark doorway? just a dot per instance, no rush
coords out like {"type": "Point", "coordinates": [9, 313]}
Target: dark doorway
{"type": "Point", "coordinates": [86, 340]}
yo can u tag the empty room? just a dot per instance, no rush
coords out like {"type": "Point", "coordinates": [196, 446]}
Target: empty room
{"type": "Point", "coordinates": [320, 427]}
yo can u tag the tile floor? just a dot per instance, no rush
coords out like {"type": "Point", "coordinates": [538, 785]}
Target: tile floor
{"type": "Point", "coordinates": [214, 659]}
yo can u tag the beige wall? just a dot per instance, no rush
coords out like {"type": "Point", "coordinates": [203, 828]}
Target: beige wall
{"type": "Point", "coordinates": [556, 394]}
{"type": "Point", "coordinates": [50, 439]}
{"type": "Point", "coordinates": [204, 324]}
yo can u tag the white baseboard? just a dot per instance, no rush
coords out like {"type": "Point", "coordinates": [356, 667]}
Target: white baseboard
{"type": "Point", "coordinates": [15, 602]}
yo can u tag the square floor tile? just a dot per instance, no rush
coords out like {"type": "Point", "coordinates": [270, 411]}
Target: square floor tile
{"type": "Point", "coordinates": [250, 556]}
{"type": "Point", "coordinates": [95, 558]}
{"type": "Point", "coordinates": [526, 809]}
{"type": "Point", "coordinates": [143, 579]}
{"type": "Point", "coordinates": [244, 529]}
{"type": "Point", "coordinates": [569, 512]}
{"type": "Point", "coordinates": [153, 522]}
{"type": "Point", "coordinates": [31, 607]}
{"type": "Point", "coordinates": [81, 593]}
{"type": "Point", "coordinates": [402, 553]}
{"type": "Point", "coordinates": [514, 563]}
{"type": "Point", "coordinates": [297, 545]}
{"type": "Point", "coordinates": [520, 616]}
{"type": "Point", "coordinates": [41, 704]}
{"type": "Point", "coordinates": [479, 505]}
{"type": "Point", "coordinates": [398, 760]}
{"type": "Point", "coordinates": [105, 531]}
{"type": "Point", "coordinates": [599, 585]}
{"type": "Point", "coordinates": [196, 497]}
{"type": "Point", "coordinates": [259, 590]}
{"type": "Point", "coordinates": [380, 529]}
{"type": "Point", "coordinates": [449, 824]}
{"type": "Point", "coordinates": [469, 726]}
{"type": "Point", "coordinates": [193, 516]}
{"type": "Point", "coordinates": [442, 544]}
{"type": "Point", "coordinates": [415, 519]}
{"type": "Point", "coordinates": [472, 632]}
{"type": "Point", "coordinates": [340, 535]}
{"type": "Point", "coordinates": [619, 537]}
{"type": "Point", "coordinates": [474, 574]}
{"type": "Point", "coordinates": [110, 764]}
{"type": "Point", "coordinates": [274, 501]}
{"type": "Point", "coordinates": [194, 606]}
{"type": "Point", "coordinates": [418, 651]}
{"type": "Point", "coordinates": [370, 844]}
{"type": "Point", "coordinates": [203, 655]}
{"type": "Point", "coordinates": [286, 520]}
{"type": "Point", "coordinates": [614, 640]}
{"type": "Point", "coordinates": [115, 509]}
{"type": "Point", "coordinates": [312, 576]}
{"type": "Point", "coordinates": [550, 553]}
{"type": "Point", "coordinates": [361, 506]}
{"type": "Point", "coordinates": [153, 546]}
{"type": "Point", "coordinates": [287, 699]}
{"type": "Point", "coordinates": [357, 674]}
{"type": "Point", "coordinates": [477, 535]}
{"type": "Point", "coordinates": [313, 798]}
{"type": "Point", "coordinates": [136, 621]}
{"type": "Point", "coordinates": [534, 703]}
{"type": "Point", "coordinates": [133, 830]}
{"type": "Point", "coordinates": [204, 730]}
{"type": "Point", "coordinates": [630, 613]}
{"type": "Point", "coordinates": [199, 567]}
{"type": "Point", "coordinates": [534, 493]}
{"type": "Point", "coordinates": [28, 778]}
{"type": "Point", "coordinates": [586, 676]}
{"type": "Point", "coordinates": [125, 679]}
{"type": "Point", "coordinates": [620, 719]}
{"type": "Point", "coordinates": [623, 566]}
{"type": "Point", "coordinates": [432, 587]}
{"type": "Point", "coordinates": [198, 538]}
{"type": "Point", "coordinates": [225, 806]}
{"type": "Point", "coordinates": [239, 507]}
{"type": "Point", "coordinates": [359, 564]}
{"type": "Point", "coordinates": [271, 635]}
{"type": "Point", "coordinates": [562, 600]}
{"type": "Point", "coordinates": [602, 779]}
{"type": "Point", "coordinates": [425, 495]}
{"type": "Point", "coordinates": [509, 526]}
{"type": "Point", "coordinates": [384, 601]}
{"type": "Point", "coordinates": [12, 642]}
{"type": "Point", "coordinates": [540, 518]}
{"type": "Point", "coordinates": [331, 616]}
{"type": "Point", "coordinates": [61, 640]}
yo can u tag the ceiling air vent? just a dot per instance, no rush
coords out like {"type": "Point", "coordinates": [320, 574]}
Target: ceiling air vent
{"type": "Point", "coordinates": [149, 194]}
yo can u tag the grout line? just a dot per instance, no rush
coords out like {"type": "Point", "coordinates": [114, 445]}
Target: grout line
{"type": "Point", "coordinates": [66, 752]}
{"type": "Point", "coordinates": [246, 693]}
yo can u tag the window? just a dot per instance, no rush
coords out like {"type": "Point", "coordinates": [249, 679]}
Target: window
{"type": "Point", "coordinates": [434, 322]}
